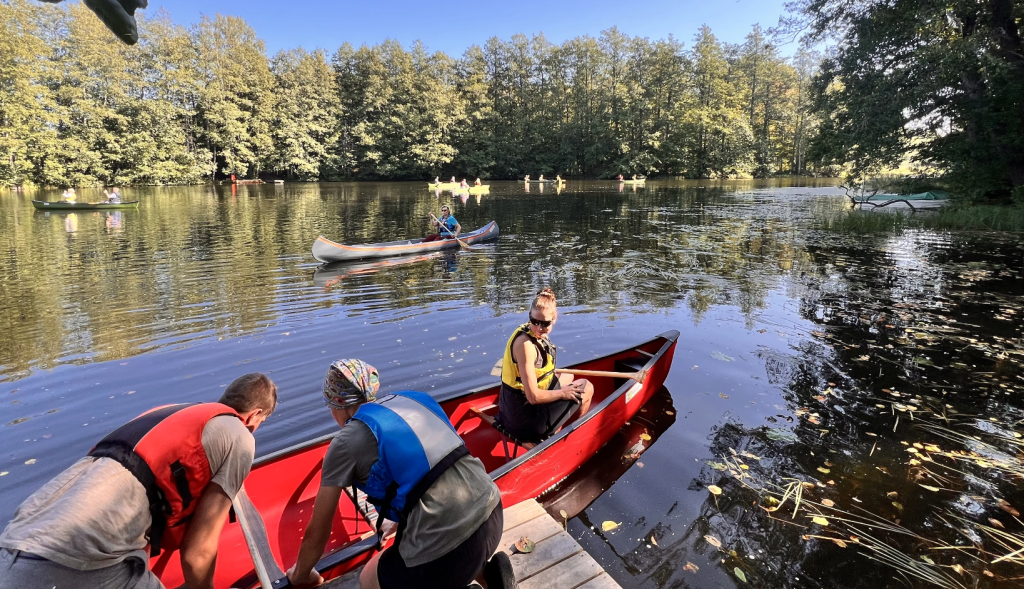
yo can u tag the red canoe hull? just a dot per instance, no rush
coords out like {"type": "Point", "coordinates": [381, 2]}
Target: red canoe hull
{"type": "Point", "coordinates": [283, 485]}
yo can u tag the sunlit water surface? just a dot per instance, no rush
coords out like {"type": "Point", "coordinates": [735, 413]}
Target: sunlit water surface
{"type": "Point", "coordinates": [804, 356]}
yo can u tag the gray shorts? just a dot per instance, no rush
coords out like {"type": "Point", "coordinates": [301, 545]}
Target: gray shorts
{"type": "Point", "coordinates": [20, 570]}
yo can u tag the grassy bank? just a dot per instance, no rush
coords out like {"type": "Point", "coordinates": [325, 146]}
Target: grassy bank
{"type": "Point", "coordinates": [951, 218]}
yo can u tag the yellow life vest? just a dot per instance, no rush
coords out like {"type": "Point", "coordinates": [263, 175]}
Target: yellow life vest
{"type": "Point", "coordinates": [510, 370]}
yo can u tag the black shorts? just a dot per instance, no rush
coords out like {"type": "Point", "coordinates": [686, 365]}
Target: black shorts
{"type": "Point", "coordinates": [532, 423]}
{"type": "Point", "coordinates": [454, 570]}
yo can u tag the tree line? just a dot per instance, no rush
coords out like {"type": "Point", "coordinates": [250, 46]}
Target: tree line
{"type": "Point", "coordinates": [193, 104]}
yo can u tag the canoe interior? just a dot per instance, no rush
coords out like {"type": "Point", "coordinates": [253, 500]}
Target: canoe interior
{"type": "Point", "coordinates": [283, 485]}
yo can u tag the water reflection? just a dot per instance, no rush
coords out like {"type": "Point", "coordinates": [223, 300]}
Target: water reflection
{"type": "Point", "coordinates": [806, 350]}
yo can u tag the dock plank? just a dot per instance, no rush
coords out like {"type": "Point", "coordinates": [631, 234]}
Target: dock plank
{"type": "Point", "coordinates": [558, 561]}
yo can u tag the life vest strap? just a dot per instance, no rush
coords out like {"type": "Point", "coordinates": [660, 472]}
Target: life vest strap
{"type": "Point", "coordinates": [133, 463]}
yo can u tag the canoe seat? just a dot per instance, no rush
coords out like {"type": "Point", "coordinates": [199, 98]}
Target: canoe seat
{"type": "Point", "coordinates": [506, 438]}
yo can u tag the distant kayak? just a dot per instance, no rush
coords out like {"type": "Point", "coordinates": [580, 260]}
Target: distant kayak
{"type": "Point", "coordinates": [43, 205]}
{"type": "Point", "coordinates": [325, 250]}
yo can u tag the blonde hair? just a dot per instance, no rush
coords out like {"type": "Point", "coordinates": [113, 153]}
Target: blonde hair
{"type": "Point", "coordinates": [545, 299]}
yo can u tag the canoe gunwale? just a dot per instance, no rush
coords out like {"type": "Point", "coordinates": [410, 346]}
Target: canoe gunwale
{"type": "Point", "coordinates": [56, 205]}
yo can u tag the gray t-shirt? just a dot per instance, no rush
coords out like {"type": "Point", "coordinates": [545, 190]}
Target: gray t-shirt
{"type": "Point", "coordinates": [95, 514]}
{"type": "Point", "coordinates": [454, 507]}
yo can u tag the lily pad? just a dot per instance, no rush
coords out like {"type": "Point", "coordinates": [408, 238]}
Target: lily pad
{"type": "Point", "coordinates": [525, 545]}
{"type": "Point", "coordinates": [609, 525]}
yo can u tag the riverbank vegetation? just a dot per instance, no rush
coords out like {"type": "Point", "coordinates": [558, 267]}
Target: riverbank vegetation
{"type": "Point", "coordinates": [188, 105]}
{"type": "Point", "coordinates": [938, 84]}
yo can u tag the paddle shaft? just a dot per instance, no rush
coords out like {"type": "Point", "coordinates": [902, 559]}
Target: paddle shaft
{"type": "Point", "coordinates": [448, 231]}
{"type": "Point", "coordinates": [637, 376]}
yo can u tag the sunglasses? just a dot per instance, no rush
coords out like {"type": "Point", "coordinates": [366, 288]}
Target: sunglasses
{"type": "Point", "coordinates": [541, 323]}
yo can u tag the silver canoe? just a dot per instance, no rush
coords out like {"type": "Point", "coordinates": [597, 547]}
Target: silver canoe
{"type": "Point", "coordinates": [325, 250]}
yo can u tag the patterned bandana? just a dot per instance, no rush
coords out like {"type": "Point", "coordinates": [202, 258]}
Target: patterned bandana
{"type": "Point", "coordinates": [350, 382]}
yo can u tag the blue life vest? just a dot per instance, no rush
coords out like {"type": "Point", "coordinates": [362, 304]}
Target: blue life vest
{"type": "Point", "coordinates": [446, 227]}
{"type": "Point", "coordinates": [415, 445]}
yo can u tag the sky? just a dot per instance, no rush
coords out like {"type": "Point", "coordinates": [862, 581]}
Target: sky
{"type": "Point", "coordinates": [454, 25]}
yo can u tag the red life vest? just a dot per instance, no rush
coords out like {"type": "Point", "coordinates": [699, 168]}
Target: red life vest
{"type": "Point", "coordinates": [163, 448]}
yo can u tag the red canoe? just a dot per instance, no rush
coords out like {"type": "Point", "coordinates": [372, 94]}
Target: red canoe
{"type": "Point", "coordinates": [283, 485]}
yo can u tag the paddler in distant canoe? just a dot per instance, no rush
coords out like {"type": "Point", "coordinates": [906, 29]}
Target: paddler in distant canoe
{"type": "Point", "coordinates": [477, 183]}
{"type": "Point", "coordinates": [534, 402]}
{"type": "Point", "coordinates": [621, 178]}
{"type": "Point", "coordinates": [162, 481]}
{"type": "Point", "coordinates": [541, 178]}
{"type": "Point", "coordinates": [402, 451]}
{"type": "Point", "coordinates": [447, 226]}
{"type": "Point", "coordinates": [463, 184]}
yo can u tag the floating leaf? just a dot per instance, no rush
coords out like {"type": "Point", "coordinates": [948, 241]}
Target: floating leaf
{"type": "Point", "coordinates": [996, 523]}
{"type": "Point", "coordinates": [723, 395]}
{"type": "Point", "coordinates": [958, 568]}
{"type": "Point", "coordinates": [525, 545]}
{"type": "Point", "coordinates": [897, 505]}
{"type": "Point", "coordinates": [654, 541]}
{"type": "Point", "coordinates": [927, 559]}
{"type": "Point", "coordinates": [839, 542]}
{"type": "Point", "coordinates": [717, 465]}
{"type": "Point", "coordinates": [892, 494]}
{"type": "Point", "coordinates": [715, 489]}
{"type": "Point", "coordinates": [691, 567]}
{"type": "Point", "coordinates": [645, 437]}
{"type": "Point", "coordinates": [739, 574]}
{"type": "Point", "coordinates": [828, 502]}
{"type": "Point", "coordinates": [931, 488]}
{"type": "Point", "coordinates": [820, 520]}
{"type": "Point", "coordinates": [30, 461]}
{"type": "Point", "coordinates": [609, 525]}
{"type": "Point", "coordinates": [824, 470]}
{"type": "Point", "coordinates": [713, 541]}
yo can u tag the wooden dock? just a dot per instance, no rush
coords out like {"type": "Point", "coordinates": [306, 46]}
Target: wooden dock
{"type": "Point", "coordinates": [557, 561]}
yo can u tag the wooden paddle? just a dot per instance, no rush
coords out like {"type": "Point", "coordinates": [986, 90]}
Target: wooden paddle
{"type": "Point", "coordinates": [637, 376]}
{"type": "Point", "coordinates": [462, 244]}
{"type": "Point", "coordinates": [255, 533]}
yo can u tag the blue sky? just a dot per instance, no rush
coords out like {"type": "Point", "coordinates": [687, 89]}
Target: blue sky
{"type": "Point", "coordinates": [453, 25]}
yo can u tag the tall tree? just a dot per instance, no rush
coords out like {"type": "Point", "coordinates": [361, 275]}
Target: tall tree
{"type": "Point", "coordinates": [943, 82]}
{"type": "Point", "coordinates": [238, 94]}
{"type": "Point", "coordinates": [305, 131]}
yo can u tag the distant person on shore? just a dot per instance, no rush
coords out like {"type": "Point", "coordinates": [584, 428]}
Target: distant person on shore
{"type": "Point", "coordinates": [402, 451]}
{"type": "Point", "coordinates": [534, 401]}
{"type": "Point", "coordinates": [162, 481]}
{"type": "Point", "coordinates": [114, 196]}
{"type": "Point", "coordinates": [447, 226]}
{"type": "Point", "coordinates": [69, 195]}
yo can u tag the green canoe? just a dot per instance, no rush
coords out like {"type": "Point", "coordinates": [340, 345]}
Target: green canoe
{"type": "Point", "coordinates": [43, 205]}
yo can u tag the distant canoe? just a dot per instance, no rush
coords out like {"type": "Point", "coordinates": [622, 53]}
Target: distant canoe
{"type": "Point", "coordinates": [544, 181]}
{"type": "Point", "coordinates": [640, 181]}
{"type": "Point", "coordinates": [43, 205]}
{"type": "Point", "coordinates": [482, 189]}
{"type": "Point", "coordinates": [257, 181]}
{"type": "Point", "coordinates": [442, 185]}
{"type": "Point", "coordinates": [325, 250]}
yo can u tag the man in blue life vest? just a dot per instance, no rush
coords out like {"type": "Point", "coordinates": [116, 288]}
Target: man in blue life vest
{"type": "Point", "coordinates": [163, 480]}
{"type": "Point", "coordinates": [402, 451]}
{"type": "Point", "coordinates": [447, 226]}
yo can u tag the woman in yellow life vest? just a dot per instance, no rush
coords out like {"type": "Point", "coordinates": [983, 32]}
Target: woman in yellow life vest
{"type": "Point", "coordinates": [535, 402]}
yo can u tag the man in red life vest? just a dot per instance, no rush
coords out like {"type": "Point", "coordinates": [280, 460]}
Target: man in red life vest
{"type": "Point", "coordinates": [164, 480]}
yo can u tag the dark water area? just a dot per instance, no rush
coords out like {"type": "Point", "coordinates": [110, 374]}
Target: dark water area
{"type": "Point", "coordinates": [878, 375]}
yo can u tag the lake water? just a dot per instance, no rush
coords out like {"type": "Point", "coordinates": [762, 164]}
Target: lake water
{"type": "Point", "coordinates": [805, 356]}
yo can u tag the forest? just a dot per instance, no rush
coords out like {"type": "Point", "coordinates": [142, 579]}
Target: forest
{"type": "Point", "coordinates": [196, 104]}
